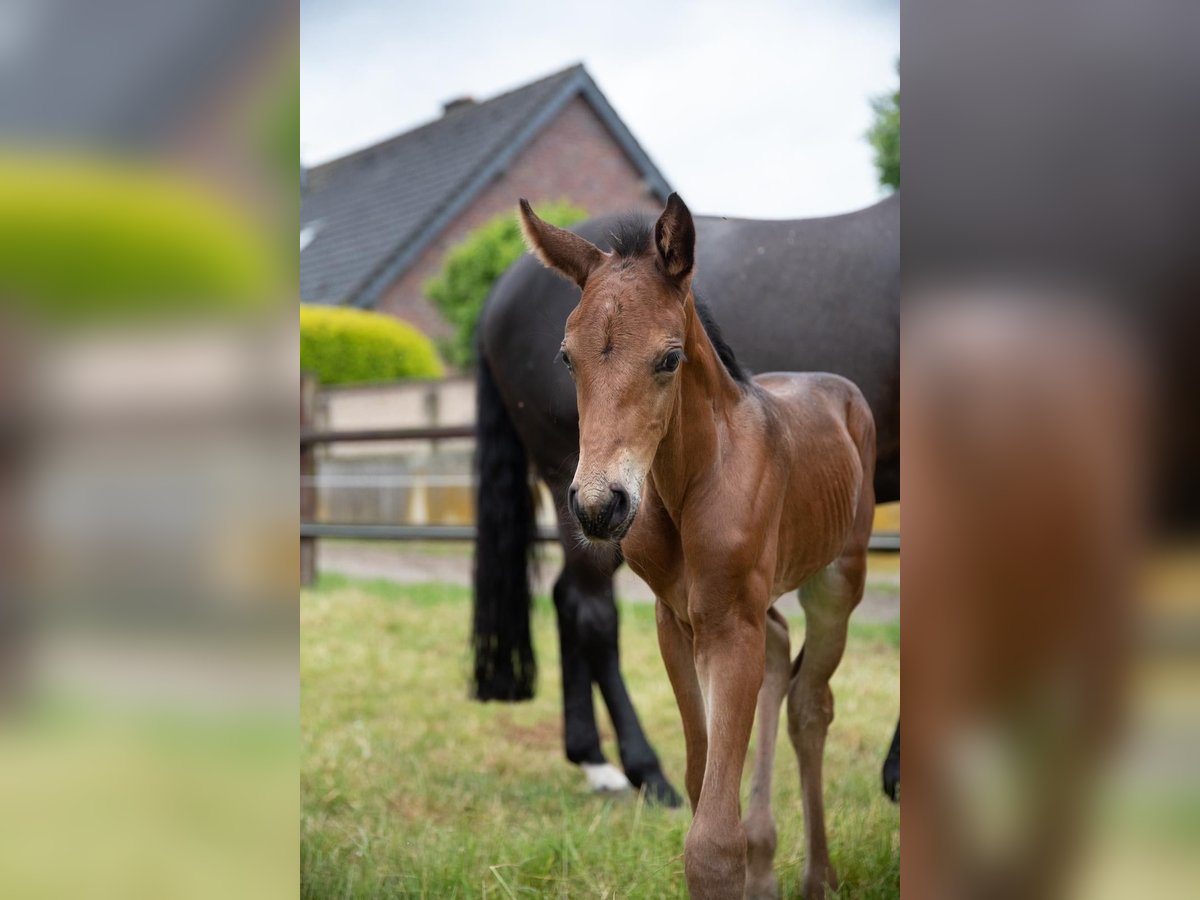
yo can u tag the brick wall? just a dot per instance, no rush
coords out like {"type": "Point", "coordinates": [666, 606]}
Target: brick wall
{"type": "Point", "coordinates": [573, 158]}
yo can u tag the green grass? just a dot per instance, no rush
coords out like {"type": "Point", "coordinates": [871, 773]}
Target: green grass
{"type": "Point", "coordinates": [410, 789]}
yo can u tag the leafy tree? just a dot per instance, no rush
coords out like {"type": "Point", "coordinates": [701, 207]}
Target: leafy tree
{"type": "Point", "coordinates": [884, 136]}
{"type": "Point", "coordinates": [471, 269]}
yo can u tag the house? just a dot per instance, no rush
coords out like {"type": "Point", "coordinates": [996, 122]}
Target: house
{"type": "Point", "coordinates": [377, 223]}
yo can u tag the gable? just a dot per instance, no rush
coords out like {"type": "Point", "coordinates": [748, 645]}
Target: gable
{"type": "Point", "coordinates": [368, 215]}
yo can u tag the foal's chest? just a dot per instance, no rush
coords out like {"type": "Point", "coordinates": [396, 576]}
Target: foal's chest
{"type": "Point", "coordinates": [654, 551]}
{"type": "Point", "coordinates": [792, 544]}
{"type": "Point", "coordinates": [669, 582]}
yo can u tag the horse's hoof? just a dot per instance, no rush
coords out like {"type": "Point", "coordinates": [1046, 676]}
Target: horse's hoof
{"type": "Point", "coordinates": [605, 778]}
{"type": "Point", "coordinates": [891, 779]}
{"type": "Point", "coordinates": [660, 793]}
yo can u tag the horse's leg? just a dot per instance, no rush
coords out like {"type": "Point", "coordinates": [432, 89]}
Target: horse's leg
{"type": "Point", "coordinates": [759, 822]}
{"type": "Point", "coordinates": [588, 631]}
{"type": "Point", "coordinates": [598, 638]}
{"type": "Point", "coordinates": [675, 643]}
{"type": "Point", "coordinates": [581, 738]}
{"type": "Point", "coordinates": [730, 650]}
{"type": "Point", "coordinates": [828, 599]}
{"type": "Point", "coordinates": [891, 767]}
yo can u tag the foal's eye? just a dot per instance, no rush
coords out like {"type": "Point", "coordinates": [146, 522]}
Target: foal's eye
{"type": "Point", "coordinates": [566, 359]}
{"type": "Point", "coordinates": [670, 362]}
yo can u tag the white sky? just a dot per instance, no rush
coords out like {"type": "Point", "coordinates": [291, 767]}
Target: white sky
{"type": "Point", "coordinates": [754, 108]}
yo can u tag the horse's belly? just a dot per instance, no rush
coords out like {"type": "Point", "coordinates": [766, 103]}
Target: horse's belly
{"type": "Point", "coordinates": [813, 537]}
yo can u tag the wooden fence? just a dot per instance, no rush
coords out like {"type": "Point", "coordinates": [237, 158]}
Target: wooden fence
{"type": "Point", "coordinates": [310, 530]}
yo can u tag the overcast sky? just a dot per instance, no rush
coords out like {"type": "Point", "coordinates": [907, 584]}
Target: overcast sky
{"type": "Point", "coordinates": [751, 108]}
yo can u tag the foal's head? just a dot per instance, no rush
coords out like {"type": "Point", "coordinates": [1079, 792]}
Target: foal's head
{"type": "Point", "coordinates": [624, 348]}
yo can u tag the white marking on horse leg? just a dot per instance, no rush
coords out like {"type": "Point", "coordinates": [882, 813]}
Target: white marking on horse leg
{"type": "Point", "coordinates": [605, 777]}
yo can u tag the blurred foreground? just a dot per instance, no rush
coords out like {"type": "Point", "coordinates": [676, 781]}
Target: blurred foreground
{"type": "Point", "coordinates": [1051, 611]}
{"type": "Point", "coordinates": [148, 368]}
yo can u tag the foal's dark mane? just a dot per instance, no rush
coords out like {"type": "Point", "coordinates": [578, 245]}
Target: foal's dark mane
{"type": "Point", "coordinates": [632, 236]}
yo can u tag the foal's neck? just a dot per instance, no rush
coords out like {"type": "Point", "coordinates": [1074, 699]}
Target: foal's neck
{"type": "Point", "coordinates": [708, 394]}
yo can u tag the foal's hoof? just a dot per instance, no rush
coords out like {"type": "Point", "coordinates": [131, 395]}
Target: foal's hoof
{"type": "Point", "coordinates": [766, 888]}
{"type": "Point", "coordinates": [659, 791]}
{"type": "Point", "coordinates": [816, 884]}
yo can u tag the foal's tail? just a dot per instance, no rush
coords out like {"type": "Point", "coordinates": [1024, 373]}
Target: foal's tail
{"type": "Point", "coordinates": [505, 669]}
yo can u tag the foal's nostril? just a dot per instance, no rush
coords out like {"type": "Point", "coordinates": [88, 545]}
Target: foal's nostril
{"type": "Point", "coordinates": [618, 505]}
{"type": "Point", "coordinates": [605, 515]}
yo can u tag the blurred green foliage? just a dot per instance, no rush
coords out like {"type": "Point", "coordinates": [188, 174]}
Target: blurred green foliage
{"type": "Point", "coordinates": [472, 268]}
{"type": "Point", "coordinates": [884, 136]}
{"type": "Point", "coordinates": [281, 129]}
{"type": "Point", "coordinates": [97, 241]}
{"type": "Point", "coordinates": [353, 346]}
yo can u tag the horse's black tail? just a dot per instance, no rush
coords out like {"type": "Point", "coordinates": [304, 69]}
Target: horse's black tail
{"type": "Point", "coordinates": [505, 669]}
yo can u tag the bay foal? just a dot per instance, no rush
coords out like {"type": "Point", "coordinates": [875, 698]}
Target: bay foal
{"type": "Point", "coordinates": [724, 494]}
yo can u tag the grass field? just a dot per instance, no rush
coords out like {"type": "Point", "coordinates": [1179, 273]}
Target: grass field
{"type": "Point", "coordinates": [410, 789]}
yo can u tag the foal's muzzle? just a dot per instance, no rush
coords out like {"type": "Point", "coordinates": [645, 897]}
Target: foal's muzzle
{"type": "Point", "coordinates": [606, 516]}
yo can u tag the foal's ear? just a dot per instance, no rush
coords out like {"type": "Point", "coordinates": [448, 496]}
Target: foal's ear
{"type": "Point", "coordinates": [558, 249]}
{"type": "Point", "coordinates": [675, 238]}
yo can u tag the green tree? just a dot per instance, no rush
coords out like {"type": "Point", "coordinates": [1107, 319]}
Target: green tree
{"type": "Point", "coordinates": [471, 269]}
{"type": "Point", "coordinates": [884, 136]}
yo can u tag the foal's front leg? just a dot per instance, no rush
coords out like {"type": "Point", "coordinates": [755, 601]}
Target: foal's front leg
{"type": "Point", "coordinates": [675, 642]}
{"type": "Point", "coordinates": [729, 649]}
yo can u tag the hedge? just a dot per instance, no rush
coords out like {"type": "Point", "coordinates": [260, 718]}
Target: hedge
{"type": "Point", "coordinates": [91, 242]}
{"type": "Point", "coordinates": [353, 346]}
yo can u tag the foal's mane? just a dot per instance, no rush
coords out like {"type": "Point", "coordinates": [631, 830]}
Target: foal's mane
{"type": "Point", "coordinates": [724, 351]}
{"type": "Point", "coordinates": [631, 236]}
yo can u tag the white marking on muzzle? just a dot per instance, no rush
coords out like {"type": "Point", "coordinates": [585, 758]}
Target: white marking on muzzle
{"type": "Point", "coordinates": [631, 475]}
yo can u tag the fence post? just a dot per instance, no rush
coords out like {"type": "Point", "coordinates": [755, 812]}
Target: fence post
{"type": "Point", "coordinates": [308, 469]}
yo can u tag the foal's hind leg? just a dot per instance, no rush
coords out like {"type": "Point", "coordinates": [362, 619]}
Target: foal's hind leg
{"type": "Point", "coordinates": [828, 599]}
{"type": "Point", "coordinates": [759, 822]}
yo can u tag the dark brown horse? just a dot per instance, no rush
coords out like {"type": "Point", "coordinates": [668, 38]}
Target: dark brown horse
{"type": "Point", "coordinates": [724, 494]}
{"type": "Point", "coordinates": [800, 295]}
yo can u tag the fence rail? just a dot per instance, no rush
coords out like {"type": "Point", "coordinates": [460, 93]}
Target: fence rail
{"type": "Point", "coordinates": [311, 437]}
{"type": "Point", "coordinates": [401, 532]}
{"type": "Point", "coordinates": [887, 541]}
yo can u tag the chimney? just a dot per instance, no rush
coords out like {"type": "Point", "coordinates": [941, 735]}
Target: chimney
{"type": "Point", "coordinates": [456, 104]}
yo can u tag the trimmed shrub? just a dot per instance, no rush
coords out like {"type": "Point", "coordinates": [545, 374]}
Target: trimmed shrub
{"type": "Point", "coordinates": [353, 346]}
{"type": "Point", "coordinates": [90, 242]}
{"type": "Point", "coordinates": [471, 269]}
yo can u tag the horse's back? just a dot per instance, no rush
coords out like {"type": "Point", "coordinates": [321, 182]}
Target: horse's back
{"type": "Point", "coordinates": [817, 399]}
{"type": "Point", "coordinates": [767, 283]}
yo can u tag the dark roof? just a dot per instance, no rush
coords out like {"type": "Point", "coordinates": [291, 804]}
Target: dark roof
{"type": "Point", "coordinates": [376, 209]}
